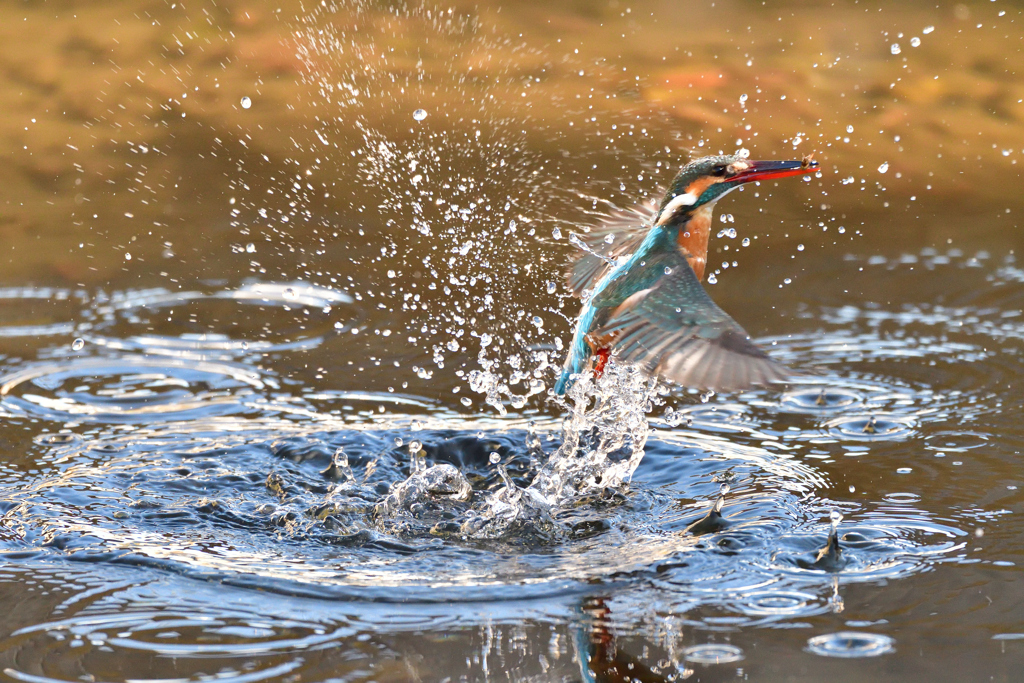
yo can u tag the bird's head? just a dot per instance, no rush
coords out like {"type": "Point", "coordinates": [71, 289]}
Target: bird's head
{"type": "Point", "coordinates": [703, 181]}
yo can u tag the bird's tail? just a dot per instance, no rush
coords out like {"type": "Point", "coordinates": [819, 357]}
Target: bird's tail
{"type": "Point", "coordinates": [573, 366]}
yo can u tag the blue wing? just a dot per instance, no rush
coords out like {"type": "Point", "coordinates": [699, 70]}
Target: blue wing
{"type": "Point", "coordinates": [621, 232]}
{"type": "Point", "coordinates": [674, 329]}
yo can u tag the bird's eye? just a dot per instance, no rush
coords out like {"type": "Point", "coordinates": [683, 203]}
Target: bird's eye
{"type": "Point", "coordinates": [719, 171]}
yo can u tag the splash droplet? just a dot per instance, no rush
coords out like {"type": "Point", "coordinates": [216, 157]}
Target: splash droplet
{"type": "Point", "coordinates": [835, 517]}
{"type": "Point", "coordinates": [495, 458]}
{"type": "Point", "coordinates": [884, 167]}
{"type": "Point", "coordinates": [419, 114]}
{"type": "Point", "coordinates": [246, 103]}
{"type": "Point", "coordinates": [250, 248]}
{"type": "Point", "coordinates": [78, 344]}
{"type": "Point", "coordinates": [915, 42]}
{"type": "Point", "coordinates": [895, 49]}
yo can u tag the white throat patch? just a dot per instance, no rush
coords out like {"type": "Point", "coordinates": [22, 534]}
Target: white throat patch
{"type": "Point", "coordinates": [676, 203]}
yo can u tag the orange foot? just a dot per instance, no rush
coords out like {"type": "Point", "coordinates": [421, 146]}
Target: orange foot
{"type": "Point", "coordinates": [602, 360]}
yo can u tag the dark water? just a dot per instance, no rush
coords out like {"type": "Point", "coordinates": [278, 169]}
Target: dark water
{"type": "Point", "coordinates": [273, 377]}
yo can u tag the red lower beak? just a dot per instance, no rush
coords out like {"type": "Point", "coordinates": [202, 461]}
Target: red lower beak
{"type": "Point", "coordinates": [770, 170]}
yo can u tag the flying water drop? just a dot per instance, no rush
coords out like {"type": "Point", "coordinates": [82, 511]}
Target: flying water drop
{"type": "Point", "coordinates": [884, 167]}
{"type": "Point", "coordinates": [419, 114]}
{"type": "Point", "coordinates": [78, 344]}
{"type": "Point", "coordinates": [835, 517]}
{"type": "Point", "coordinates": [246, 103]}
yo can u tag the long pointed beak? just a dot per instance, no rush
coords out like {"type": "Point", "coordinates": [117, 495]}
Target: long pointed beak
{"type": "Point", "coordinates": [769, 170]}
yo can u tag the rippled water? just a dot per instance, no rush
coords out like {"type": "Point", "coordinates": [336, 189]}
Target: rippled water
{"type": "Point", "coordinates": [282, 306]}
{"type": "Point", "coordinates": [181, 464]}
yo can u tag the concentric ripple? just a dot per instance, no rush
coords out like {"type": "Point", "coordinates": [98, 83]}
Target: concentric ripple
{"type": "Point", "coordinates": [130, 389]}
{"type": "Point", "coordinates": [256, 317]}
{"type": "Point", "coordinates": [850, 644]}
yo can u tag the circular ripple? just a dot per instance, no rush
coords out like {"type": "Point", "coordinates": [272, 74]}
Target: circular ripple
{"type": "Point", "coordinates": [779, 603]}
{"type": "Point", "coordinates": [851, 644]}
{"type": "Point", "coordinates": [713, 653]}
{"type": "Point", "coordinates": [129, 389]}
{"type": "Point", "coordinates": [814, 399]}
{"type": "Point", "coordinates": [872, 427]}
{"type": "Point", "coordinates": [902, 498]}
{"type": "Point", "coordinates": [257, 317]}
{"type": "Point", "coordinates": [955, 442]}
{"type": "Point", "coordinates": [246, 647]}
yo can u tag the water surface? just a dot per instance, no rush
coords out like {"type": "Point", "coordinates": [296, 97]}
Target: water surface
{"type": "Point", "coordinates": [283, 299]}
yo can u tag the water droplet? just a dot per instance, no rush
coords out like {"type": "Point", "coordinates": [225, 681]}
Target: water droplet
{"type": "Point", "coordinates": [452, 345]}
{"type": "Point", "coordinates": [127, 256]}
{"type": "Point", "coordinates": [398, 442]}
{"type": "Point", "coordinates": [895, 49]}
{"type": "Point", "coordinates": [289, 293]}
{"type": "Point", "coordinates": [746, 242]}
{"type": "Point", "coordinates": [246, 103]}
{"type": "Point", "coordinates": [799, 247]}
{"type": "Point", "coordinates": [556, 233]}
{"type": "Point", "coordinates": [884, 167]}
{"type": "Point", "coordinates": [551, 287]}
{"type": "Point", "coordinates": [835, 517]}
{"type": "Point", "coordinates": [904, 470]}
{"type": "Point", "coordinates": [915, 42]}
{"type": "Point", "coordinates": [419, 114]}
{"type": "Point", "coordinates": [928, 29]}
{"type": "Point", "coordinates": [494, 457]}
{"type": "Point", "coordinates": [78, 344]}
{"type": "Point", "coordinates": [467, 401]}
{"type": "Point", "coordinates": [250, 248]}
{"type": "Point", "coordinates": [743, 99]}
{"type": "Point", "coordinates": [712, 280]}
{"type": "Point", "coordinates": [537, 321]}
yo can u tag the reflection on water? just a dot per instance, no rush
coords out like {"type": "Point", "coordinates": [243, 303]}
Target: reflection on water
{"type": "Point", "coordinates": [200, 464]}
{"type": "Point", "coordinates": [282, 305]}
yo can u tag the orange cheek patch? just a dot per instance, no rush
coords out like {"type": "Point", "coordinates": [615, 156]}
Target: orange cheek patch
{"type": "Point", "coordinates": [697, 187]}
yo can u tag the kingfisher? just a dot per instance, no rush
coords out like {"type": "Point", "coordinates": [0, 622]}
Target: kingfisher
{"type": "Point", "coordinates": [640, 280]}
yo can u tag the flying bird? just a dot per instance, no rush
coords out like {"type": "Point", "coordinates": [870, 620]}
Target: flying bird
{"type": "Point", "coordinates": [640, 280]}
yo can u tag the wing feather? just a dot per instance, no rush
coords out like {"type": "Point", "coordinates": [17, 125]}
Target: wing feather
{"type": "Point", "coordinates": [677, 331]}
{"type": "Point", "coordinates": [627, 228]}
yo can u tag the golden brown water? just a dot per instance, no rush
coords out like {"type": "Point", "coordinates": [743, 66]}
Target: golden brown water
{"type": "Point", "coordinates": [144, 213]}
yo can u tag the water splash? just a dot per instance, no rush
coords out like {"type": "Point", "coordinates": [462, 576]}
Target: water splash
{"type": "Point", "coordinates": [603, 435]}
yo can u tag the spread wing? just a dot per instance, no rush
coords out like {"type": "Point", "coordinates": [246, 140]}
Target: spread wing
{"type": "Point", "coordinates": [674, 329]}
{"type": "Point", "coordinates": [625, 228]}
